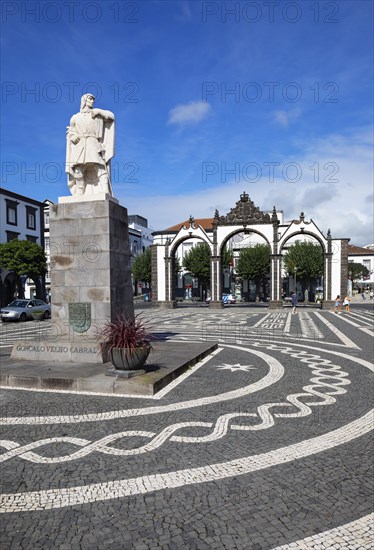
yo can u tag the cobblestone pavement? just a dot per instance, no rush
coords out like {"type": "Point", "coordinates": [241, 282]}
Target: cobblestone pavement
{"type": "Point", "coordinates": [265, 444]}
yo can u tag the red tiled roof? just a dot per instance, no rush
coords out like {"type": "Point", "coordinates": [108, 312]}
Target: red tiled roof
{"type": "Point", "coordinates": [206, 224]}
{"type": "Point", "coordinates": [358, 250]}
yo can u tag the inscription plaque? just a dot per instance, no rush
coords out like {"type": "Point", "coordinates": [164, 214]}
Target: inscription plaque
{"type": "Point", "coordinates": [80, 316]}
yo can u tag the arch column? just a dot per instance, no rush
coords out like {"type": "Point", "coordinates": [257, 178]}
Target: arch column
{"type": "Point", "coordinates": [162, 269]}
{"type": "Point", "coordinates": [275, 268]}
{"type": "Point", "coordinates": [154, 273]}
{"type": "Point", "coordinates": [275, 281]}
{"type": "Point", "coordinates": [170, 301]}
{"type": "Point", "coordinates": [327, 302]}
{"type": "Point", "coordinates": [215, 269]}
{"type": "Point", "coordinates": [216, 282]}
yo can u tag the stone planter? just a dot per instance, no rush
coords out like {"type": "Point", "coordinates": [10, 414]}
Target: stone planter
{"type": "Point", "coordinates": [125, 359]}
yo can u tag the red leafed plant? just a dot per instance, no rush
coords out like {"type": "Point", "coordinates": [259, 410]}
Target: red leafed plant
{"type": "Point", "coordinates": [125, 332]}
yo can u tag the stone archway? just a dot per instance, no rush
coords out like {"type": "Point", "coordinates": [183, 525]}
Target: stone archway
{"type": "Point", "coordinates": [292, 239]}
{"type": "Point", "coordinates": [163, 262]}
{"type": "Point", "coordinates": [245, 217]}
{"type": "Point", "coordinates": [10, 287]}
{"type": "Point", "coordinates": [247, 232]}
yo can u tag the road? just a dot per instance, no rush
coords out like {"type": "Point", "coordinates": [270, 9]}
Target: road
{"type": "Point", "coordinates": [265, 444]}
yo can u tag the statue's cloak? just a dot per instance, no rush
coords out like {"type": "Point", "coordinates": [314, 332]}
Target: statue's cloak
{"type": "Point", "coordinates": [95, 145]}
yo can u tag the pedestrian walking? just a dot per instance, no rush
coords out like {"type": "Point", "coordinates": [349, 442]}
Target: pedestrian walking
{"type": "Point", "coordinates": [294, 302]}
{"type": "Point", "coordinates": [337, 305]}
{"type": "Point", "coordinates": [363, 295]}
{"type": "Point", "coordinates": [346, 303]}
{"type": "Point", "coordinates": [371, 295]}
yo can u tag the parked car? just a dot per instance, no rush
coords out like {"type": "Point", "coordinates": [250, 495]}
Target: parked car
{"type": "Point", "coordinates": [228, 299]}
{"type": "Point", "coordinates": [21, 310]}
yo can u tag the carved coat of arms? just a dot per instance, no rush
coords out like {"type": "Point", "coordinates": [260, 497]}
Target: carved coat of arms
{"type": "Point", "coordinates": [80, 316]}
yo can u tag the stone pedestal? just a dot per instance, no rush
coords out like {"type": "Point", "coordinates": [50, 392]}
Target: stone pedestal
{"type": "Point", "coordinates": [275, 304]}
{"type": "Point", "coordinates": [327, 304]}
{"type": "Point", "coordinates": [163, 304]}
{"type": "Point", "coordinates": [90, 278]}
{"type": "Point", "coordinates": [216, 304]}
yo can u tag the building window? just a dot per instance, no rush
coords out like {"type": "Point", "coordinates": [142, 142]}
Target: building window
{"type": "Point", "coordinates": [46, 218]}
{"type": "Point", "coordinates": [11, 212]}
{"type": "Point", "coordinates": [31, 238]}
{"type": "Point", "coordinates": [30, 217]}
{"type": "Point", "coordinates": [11, 236]}
{"type": "Point", "coordinates": [46, 244]}
{"type": "Point", "coordinates": [367, 264]}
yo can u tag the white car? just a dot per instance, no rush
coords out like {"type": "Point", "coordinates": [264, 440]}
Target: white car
{"type": "Point", "coordinates": [21, 310]}
{"type": "Point", "coordinates": [228, 299]}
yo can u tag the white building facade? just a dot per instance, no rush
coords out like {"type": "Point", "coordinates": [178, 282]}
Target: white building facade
{"type": "Point", "coordinates": [21, 218]}
{"type": "Point", "coordinates": [363, 255]}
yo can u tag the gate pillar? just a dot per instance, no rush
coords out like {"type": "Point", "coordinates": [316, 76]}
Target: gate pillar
{"type": "Point", "coordinates": [216, 282]}
{"type": "Point", "coordinates": [275, 281]}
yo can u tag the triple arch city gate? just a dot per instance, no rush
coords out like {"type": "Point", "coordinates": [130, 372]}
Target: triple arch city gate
{"type": "Point", "coordinates": [247, 218]}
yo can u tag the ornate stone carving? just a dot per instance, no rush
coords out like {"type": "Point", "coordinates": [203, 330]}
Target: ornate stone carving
{"type": "Point", "coordinates": [80, 316]}
{"type": "Point", "coordinates": [244, 213]}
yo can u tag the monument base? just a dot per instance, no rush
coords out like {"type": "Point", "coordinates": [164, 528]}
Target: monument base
{"type": "Point", "coordinates": [90, 279]}
{"type": "Point", "coordinates": [327, 304]}
{"type": "Point", "coordinates": [61, 351]}
{"type": "Point", "coordinates": [216, 304]}
{"type": "Point", "coordinates": [165, 304]}
{"type": "Point", "coordinates": [275, 304]}
{"type": "Point", "coordinates": [90, 266]}
{"type": "Point", "coordinates": [72, 199]}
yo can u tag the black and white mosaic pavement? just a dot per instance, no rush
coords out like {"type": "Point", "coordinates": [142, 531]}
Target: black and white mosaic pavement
{"type": "Point", "coordinates": [265, 444]}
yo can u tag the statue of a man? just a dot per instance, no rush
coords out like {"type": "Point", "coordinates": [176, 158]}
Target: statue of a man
{"type": "Point", "coordinates": [89, 149]}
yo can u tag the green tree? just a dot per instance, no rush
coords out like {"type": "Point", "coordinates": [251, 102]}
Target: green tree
{"type": "Point", "coordinates": [197, 262]}
{"type": "Point", "coordinates": [307, 257]}
{"type": "Point", "coordinates": [142, 267]}
{"type": "Point", "coordinates": [357, 271]}
{"type": "Point", "coordinates": [254, 264]}
{"type": "Point", "coordinates": [25, 258]}
{"type": "Point", "coordinates": [177, 266]}
{"type": "Point", "coordinates": [227, 257]}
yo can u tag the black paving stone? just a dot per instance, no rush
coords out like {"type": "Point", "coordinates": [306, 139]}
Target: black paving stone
{"type": "Point", "coordinates": [264, 509]}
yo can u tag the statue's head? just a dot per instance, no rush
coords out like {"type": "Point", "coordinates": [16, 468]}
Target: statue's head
{"type": "Point", "coordinates": [84, 99]}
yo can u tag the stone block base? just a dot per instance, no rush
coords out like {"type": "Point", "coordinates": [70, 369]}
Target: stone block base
{"type": "Point", "coordinates": [90, 265]}
{"type": "Point", "coordinates": [327, 304]}
{"type": "Point", "coordinates": [275, 304]}
{"type": "Point", "coordinates": [165, 304]}
{"type": "Point", "coordinates": [124, 373]}
{"type": "Point", "coordinates": [216, 304]}
{"type": "Point", "coordinates": [57, 351]}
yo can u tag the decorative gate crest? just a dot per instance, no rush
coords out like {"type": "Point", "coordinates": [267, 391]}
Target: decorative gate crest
{"type": "Point", "coordinates": [244, 213]}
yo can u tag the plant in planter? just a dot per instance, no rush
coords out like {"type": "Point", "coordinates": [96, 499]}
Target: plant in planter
{"type": "Point", "coordinates": [127, 341]}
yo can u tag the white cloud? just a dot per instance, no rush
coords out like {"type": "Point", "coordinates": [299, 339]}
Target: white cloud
{"type": "Point", "coordinates": [189, 113]}
{"type": "Point", "coordinates": [285, 117]}
{"type": "Point", "coordinates": [185, 13]}
{"type": "Point", "coordinates": [344, 206]}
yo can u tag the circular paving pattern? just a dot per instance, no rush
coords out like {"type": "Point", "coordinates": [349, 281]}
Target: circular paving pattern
{"type": "Point", "coordinates": [279, 414]}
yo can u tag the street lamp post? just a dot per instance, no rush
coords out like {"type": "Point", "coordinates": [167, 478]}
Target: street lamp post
{"type": "Point", "coordinates": [295, 270]}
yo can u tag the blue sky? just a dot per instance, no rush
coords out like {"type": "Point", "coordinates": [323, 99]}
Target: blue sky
{"type": "Point", "coordinates": [211, 98]}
